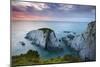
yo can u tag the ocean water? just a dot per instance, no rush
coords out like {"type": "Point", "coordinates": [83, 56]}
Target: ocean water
{"type": "Point", "coordinates": [20, 28]}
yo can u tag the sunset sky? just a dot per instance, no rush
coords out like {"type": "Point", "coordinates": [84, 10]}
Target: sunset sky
{"type": "Point", "coordinates": [51, 11]}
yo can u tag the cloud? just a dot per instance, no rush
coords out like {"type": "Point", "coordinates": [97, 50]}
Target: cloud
{"type": "Point", "coordinates": [37, 10]}
{"type": "Point", "coordinates": [23, 16]}
{"type": "Point", "coordinates": [40, 6]}
{"type": "Point", "coordinates": [36, 6]}
{"type": "Point", "coordinates": [93, 11]}
{"type": "Point", "coordinates": [66, 7]}
{"type": "Point", "coordinates": [22, 6]}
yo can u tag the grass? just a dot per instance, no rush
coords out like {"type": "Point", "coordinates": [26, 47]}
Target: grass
{"type": "Point", "coordinates": [33, 58]}
{"type": "Point", "coordinates": [45, 30]}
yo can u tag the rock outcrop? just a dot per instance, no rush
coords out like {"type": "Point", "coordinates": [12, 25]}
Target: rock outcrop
{"type": "Point", "coordinates": [68, 37]}
{"type": "Point", "coordinates": [86, 43]}
{"type": "Point", "coordinates": [44, 38]}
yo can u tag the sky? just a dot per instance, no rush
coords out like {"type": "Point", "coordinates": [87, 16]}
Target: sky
{"type": "Point", "coordinates": [39, 11]}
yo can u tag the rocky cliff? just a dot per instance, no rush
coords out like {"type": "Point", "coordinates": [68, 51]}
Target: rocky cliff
{"type": "Point", "coordinates": [86, 43]}
{"type": "Point", "coordinates": [44, 38]}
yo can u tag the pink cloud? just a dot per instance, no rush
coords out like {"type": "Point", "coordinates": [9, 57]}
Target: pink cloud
{"type": "Point", "coordinates": [24, 16]}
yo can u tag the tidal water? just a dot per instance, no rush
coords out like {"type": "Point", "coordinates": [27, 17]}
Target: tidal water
{"type": "Point", "coordinates": [20, 29]}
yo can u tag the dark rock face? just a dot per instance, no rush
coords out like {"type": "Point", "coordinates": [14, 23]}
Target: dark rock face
{"type": "Point", "coordinates": [71, 37]}
{"type": "Point", "coordinates": [68, 37]}
{"type": "Point", "coordinates": [44, 38]}
{"type": "Point", "coordinates": [22, 43]}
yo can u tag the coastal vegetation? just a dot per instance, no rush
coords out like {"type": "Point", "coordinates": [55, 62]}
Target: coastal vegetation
{"type": "Point", "coordinates": [33, 58]}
